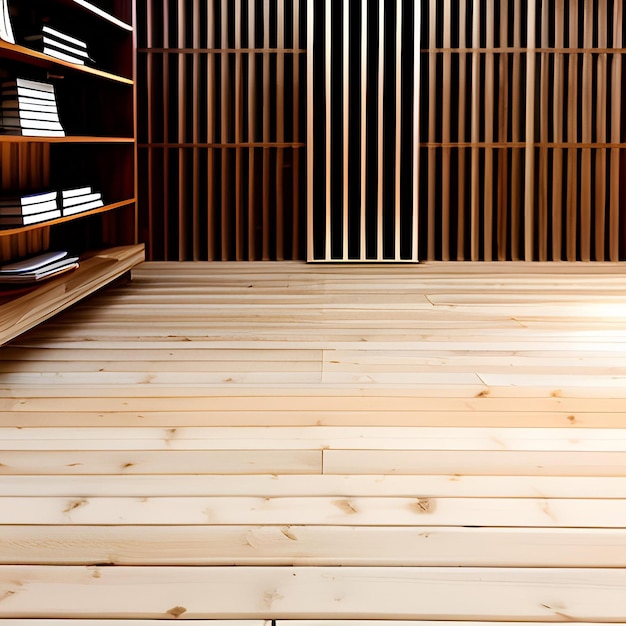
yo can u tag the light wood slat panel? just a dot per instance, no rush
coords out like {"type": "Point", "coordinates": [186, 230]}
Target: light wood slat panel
{"type": "Point", "coordinates": [602, 107]}
{"type": "Point", "coordinates": [461, 195]}
{"type": "Point", "coordinates": [166, 135]}
{"type": "Point", "coordinates": [380, 111]}
{"type": "Point", "coordinates": [251, 592]}
{"type": "Point", "coordinates": [345, 123]}
{"type": "Point", "coordinates": [183, 209]}
{"type": "Point", "coordinates": [543, 166]}
{"type": "Point", "coordinates": [489, 184]}
{"type": "Point", "coordinates": [446, 120]}
{"type": "Point", "coordinates": [365, 60]}
{"type": "Point", "coordinates": [226, 123]}
{"type": "Point", "coordinates": [310, 139]}
{"type": "Point", "coordinates": [616, 106]}
{"type": "Point", "coordinates": [450, 485]}
{"type": "Point", "coordinates": [280, 130]}
{"type": "Point", "coordinates": [398, 130]}
{"type": "Point", "coordinates": [319, 437]}
{"type": "Point", "coordinates": [572, 224]}
{"type": "Point", "coordinates": [315, 511]}
{"type": "Point", "coordinates": [432, 123]}
{"type": "Point", "coordinates": [529, 161]}
{"type": "Point", "coordinates": [238, 107]}
{"type": "Point", "coordinates": [212, 126]}
{"type": "Point", "coordinates": [170, 462]}
{"type": "Point", "coordinates": [311, 545]}
{"type": "Point", "coordinates": [502, 211]}
{"type": "Point", "coordinates": [475, 197]}
{"type": "Point", "coordinates": [513, 463]}
{"type": "Point", "coordinates": [587, 124]}
{"type": "Point", "coordinates": [416, 133]}
{"type": "Point", "coordinates": [296, 136]}
{"type": "Point", "coordinates": [516, 135]}
{"type": "Point", "coordinates": [558, 109]}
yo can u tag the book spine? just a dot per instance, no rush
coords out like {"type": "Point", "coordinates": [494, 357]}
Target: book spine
{"type": "Point", "coordinates": [29, 209]}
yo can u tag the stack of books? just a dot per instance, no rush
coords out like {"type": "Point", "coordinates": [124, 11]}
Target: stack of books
{"type": "Point", "coordinates": [26, 210]}
{"type": "Point", "coordinates": [6, 31]}
{"type": "Point", "coordinates": [59, 45]}
{"type": "Point", "coordinates": [29, 108]}
{"type": "Point", "coordinates": [79, 200]}
{"type": "Point", "coordinates": [37, 268]}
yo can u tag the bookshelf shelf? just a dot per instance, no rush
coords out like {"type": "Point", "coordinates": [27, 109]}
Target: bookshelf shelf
{"type": "Point", "coordinates": [96, 107]}
{"type": "Point", "coordinates": [39, 59]}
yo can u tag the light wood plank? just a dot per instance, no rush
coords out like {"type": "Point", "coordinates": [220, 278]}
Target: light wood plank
{"type": "Point", "coordinates": [511, 463]}
{"type": "Point", "coordinates": [312, 545]}
{"type": "Point", "coordinates": [170, 462]}
{"type": "Point", "coordinates": [317, 511]}
{"type": "Point", "coordinates": [355, 593]}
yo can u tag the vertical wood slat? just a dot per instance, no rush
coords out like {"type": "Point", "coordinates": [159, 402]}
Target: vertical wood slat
{"type": "Point", "coordinates": [432, 121]}
{"type": "Point", "coordinates": [502, 211]}
{"type": "Point", "coordinates": [252, 107]}
{"type": "Point", "coordinates": [445, 132]}
{"type": "Point", "coordinates": [416, 131]}
{"type": "Point", "coordinates": [280, 128]}
{"type": "Point", "coordinates": [363, 140]}
{"type": "Point", "coordinates": [461, 196]}
{"type": "Point", "coordinates": [475, 151]}
{"type": "Point", "coordinates": [238, 109]}
{"type": "Point", "coordinates": [149, 29]}
{"type": "Point", "coordinates": [380, 109]}
{"type": "Point", "coordinates": [327, 90]}
{"type": "Point", "coordinates": [310, 137]}
{"type": "Point", "coordinates": [601, 119]}
{"type": "Point", "coordinates": [489, 115]}
{"type": "Point", "coordinates": [587, 123]}
{"type": "Point", "coordinates": [226, 120]}
{"type": "Point", "coordinates": [557, 122]}
{"type": "Point", "coordinates": [529, 182]}
{"type": "Point", "coordinates": [195, 190]}
{"type": "Point", "coordinates": [398, 138]}
{"type": "Point", "coordinates": [544, 174]}
{"type": "Point", "coordinates": [182, 122]}
{"type": "Point", "coordinates": [165, 173]}
{"type": "Point", "coordinates": [295, 158]}
{"type": "Point", "coordinates": [616, 121]}
{"type": "Point", "coordinates": [211, 128]}
{"type": "Point", "coordinates": [345, 121]}
{"type": "Point", "coordinates": [572, 114]}
{"type": "Point", "coordinates": [516, 160]}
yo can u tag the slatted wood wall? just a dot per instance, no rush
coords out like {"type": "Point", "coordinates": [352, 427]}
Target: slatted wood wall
{"type": "Point", "coordinates": [222, 134]}
{"type": "Point", "coordinates": [521, 134]}
{"type": "Point", "coordinates": [363, 104]}
{"type": "Point", "coordinates": [520, 130]}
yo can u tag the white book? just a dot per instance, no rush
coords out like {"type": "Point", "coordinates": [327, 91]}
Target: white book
{"type": "Point", "coordinates": [63, 56]}
{"type": "Point", "coordinates": [64, 47]}
{"type": "Point", "coordinates": [6, 31]}
{"type": "Point", "coordinates": [30, 115]}
{"type": "Point", "coordinates": [29, 209]}
{"type": "Point", "coordinates": [46, 272]}
{"type": "Point", "coordinates": [59, 35]}
{"type": "Point", "coordinates": [27, 220]}
{"type": "Point", "coordinates": [25, 123]}
{"type": "Point", "coordinates": [68, 202]}
{"type": "Point", "coordinates": [33, 132]}
{"type": "Point", "coordinates": [28, 84]}
{"type": "Point", "coordinates": [77, 191]}
{"type": "Point", "coordinates": [82, 207]}
{"type": "Point", "coordinates": [34, 198]}
{"type": "Point", "coordinates": [33, 263]}
{"type": "Point", "coordinates": [24, 92]}
{"type": "Point", "coordinates": [30, 104]}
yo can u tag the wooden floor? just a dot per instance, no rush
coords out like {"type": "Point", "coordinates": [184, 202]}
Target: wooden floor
{"type": "Point", "coordinates": [251, 442]}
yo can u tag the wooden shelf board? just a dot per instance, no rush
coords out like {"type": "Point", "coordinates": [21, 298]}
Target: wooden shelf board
{"type": "Point", "coordinates": [66, 139]}
{"type": "Point", "coordinates": [107, 207]}
{"type": "Point", "coordinates": [25, 311]}
{"type": "Point", "coordinates": [21, 53]}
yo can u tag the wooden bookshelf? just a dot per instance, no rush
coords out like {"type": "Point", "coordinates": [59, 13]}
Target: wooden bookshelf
{"type": "Point", "coordinates": [97, 110]}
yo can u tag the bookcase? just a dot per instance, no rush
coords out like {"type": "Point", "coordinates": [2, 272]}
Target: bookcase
{"type": "Point", "coordinates": [97, 110]}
